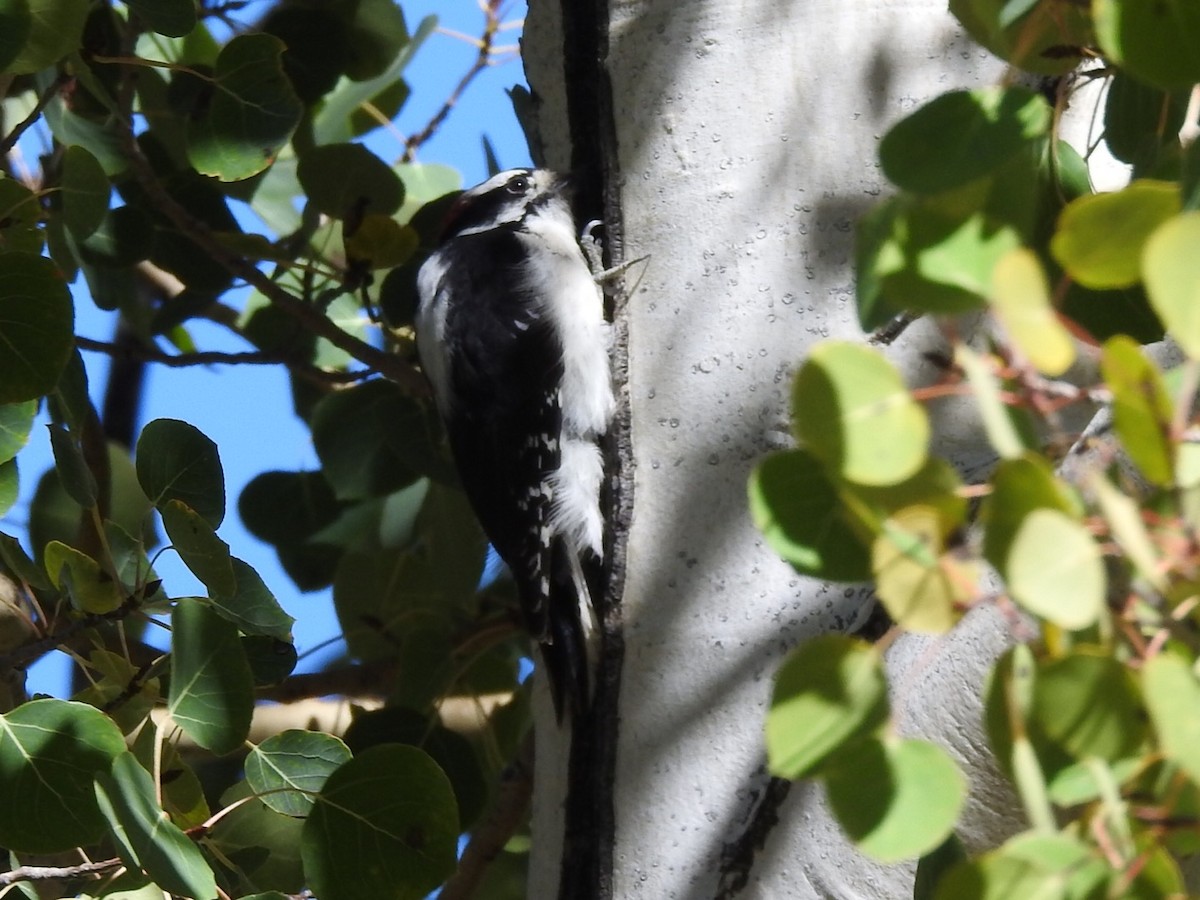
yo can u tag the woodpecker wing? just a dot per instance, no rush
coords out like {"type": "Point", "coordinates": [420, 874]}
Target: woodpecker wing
{"type": "Point", "coordinates": [505, 383]}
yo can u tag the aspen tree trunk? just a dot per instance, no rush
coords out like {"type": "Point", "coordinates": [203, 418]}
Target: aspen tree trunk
{"type": "Point", "coordinates": [734, 145]}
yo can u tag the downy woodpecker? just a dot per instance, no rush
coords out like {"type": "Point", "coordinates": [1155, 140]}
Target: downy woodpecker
{"type": "Point", "coordinates": [512, 337]}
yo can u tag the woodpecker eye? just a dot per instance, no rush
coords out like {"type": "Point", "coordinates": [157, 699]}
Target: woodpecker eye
{"type": "Point", "coordinates": [518, 185]}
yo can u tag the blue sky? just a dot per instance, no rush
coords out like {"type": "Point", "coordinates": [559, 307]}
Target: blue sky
{"type": "Point", "coordinates": [247, 410]}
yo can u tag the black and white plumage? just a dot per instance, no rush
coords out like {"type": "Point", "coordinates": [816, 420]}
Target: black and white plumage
{"type": "Point", "coordinates": [512, 336]}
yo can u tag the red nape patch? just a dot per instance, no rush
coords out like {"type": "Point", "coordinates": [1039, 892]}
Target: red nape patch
{"type": "Point", "coordinates": [453, 214]}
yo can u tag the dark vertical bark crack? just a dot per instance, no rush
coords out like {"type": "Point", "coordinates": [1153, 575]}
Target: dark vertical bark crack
{"type": "Point", "coordinates": [739, 855]}
{"type": "Point", "coordinates": [590, 825]}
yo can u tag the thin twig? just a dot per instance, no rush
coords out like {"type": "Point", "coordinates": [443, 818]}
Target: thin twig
{"type": "Point", "coordinates": [489, 838]}
{"type": "Point", "coordinates": [361, 680]}
{"type": "Point", "coordinates": [42, 102]}
{"type": "Point", "coordinates": [150, 353]}
{"type": "Point", "coordinates": [132, 688]}
{"type": "Point", "coordinates": [47, 873]}
{"type": "Point", "coordinates": [386, 364]}
{"type": "Point", "coordinates": [27, 653]}
{"type": "Point", "coordinates": [492, 26]}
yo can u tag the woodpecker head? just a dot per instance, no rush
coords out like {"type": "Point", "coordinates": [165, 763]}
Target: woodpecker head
{"type": "Point", "coordinates": [508, 198]}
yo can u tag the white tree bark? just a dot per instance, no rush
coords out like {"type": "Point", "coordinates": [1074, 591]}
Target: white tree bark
{"type": "Point", "coordinates": [747, 136]}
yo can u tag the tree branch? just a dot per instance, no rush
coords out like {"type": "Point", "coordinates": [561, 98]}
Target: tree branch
{"type": "Point", "coordinates": [150, 353]}
{"type": "Point", "coordinates": [365, 680]}
{"type": "Point", "coordinates": [49, 873]}
{"type": "Point", "coordinates": [27, 653]}
{"type": "Point", "coordinates": [487, 47]}
{"type": "Point", "coordinates": [310, 317]}
{"type": "Point", "coordinates": [488, 839]}
{"type": "Point", "coordinates": [24, 125]}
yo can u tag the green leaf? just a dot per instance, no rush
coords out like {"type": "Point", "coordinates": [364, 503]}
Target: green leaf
{"type": "Point", "coordinates": [936, 486]}
{"type": "Point", "coordinates": [90, 587]}
{"type": "Point", "coordinates": [286, 508]}
{"type": "Point", "coordinates": [125, 236]}
{"type": "Point", "coordinates": [19, 565]}
{"type": "Point", "coordinates": [252, 113]}
{"type": "Point", "coordinates": [373, 439]}
{"type": "Point", "coordinates": [251, 606]}
{"type": "Point", "coordinates": [264, 844]}
{"type": "Point", "coordinates": [378, 34]}
{"type": "Point", "coordinates": [147, 838]}
{"type": "Point", "coordinates": [85, 191]}
{"type": "Point", "coordinates": [1021, 301]}
{"type": "Point", "coordinates": [73, 469]}
{"type": "Point", "coordinates": [454, 545]}
{"type": "Point", "coordinates": [50, 752]}
{"type": "Point", "coordinates": [37, 329]}
{"type": "Point", "coordinates": [20, 214]}
{"type": "Point", "coordinates": [395, 606]}
{"type": "Point", "coordinates": [830, 692]}
{"type": "Point", "coordinates": [334, 122]}
{"type": "Point", "coordinates": [289, 510]}
{"type": "Point", "coordinates": [180, 789]}
{"type": "Point", "coordinates": [1054, 569]}
{"type": "Point", "coordinates": [10, 483]}
{"type": "Point", "coordinates": [960, 136]}
{"type": "Point", "coordinates": [1019, 486]}
{"type": "Point", "coordinates": [270, 660]}
{"type": "Point", "coordinates": [853, 412]}
{"type": "Point", "coordinates": [1047, 39]}
{"type": "Point", "coordinates": [1100, 237]}
{"type": "Point", "coordinates": [71, 403]}
{"type": "Point", "coordinates": [1077, 783]}
{"type": "Point", "coordinates": [15, 22]}
{"type": "Point", "coordinates": [175, 461]}
{"type": "Point", "coordinates": [16, 421]}
{"type": "Point", "coordinates": [998, 418]}
{"type": "Point", "coordinates": [380, 242]}
{"type": "Point", "coordinates": [1141, 122]}
{"type": "Point", "coordinates": [798, 510]}
{"type": "Point", "coordinates": [287, 770]}
{"type": "Point", "coordinates": [111, 676]}
{"type": "Point", "coordinates": [1014, 10]}
{"type": "Point", "coordinates": [1032, 866]}
{"type": "Point", "coordinates": [938, 253]}
{"type": "Point", "coordinates": [921, 587]}
{"type": "Point", "coordinates": [385, 105]}
{"type": "Point", "coordinates": [1189, 177]}
{"type": "Point", "coordinates": [100, 135]}
{"type": "Point", "coordinates": [131, 563]}
{"type": "Point", "coordinates": [349, 181]}
{"type": "Point", "coordinates": [1089, 706]}
{"type": "Point", "coordinates": [1125, 521]}
{"type": "Point", "coordinates": [1142, 410]}
{"type": "Point", "coordinates": [1172, 695]}
{"type": "Point", "coordinates": [1171, 270]}
{"type": "Point", "coordinates": [1025, 754]}
{"type": "Point", "coordinates": [877, 251]}
{"type": "Point", "coordinates": [318, 46]}
{"type": "Point", "coordinates": [174, 18]}
{"type": "Point", "coordinates": [1156, 42]}
{"type": "Point", "coordinates": [895, 798]}
{"type": "Point", "coordinates": [55, 28]}
{"type": "Point", "coordinates": [453, 753]}
{"type": "Point", "coordinates": [198, 546]}
{"type": "Point", "coordinates": [385, 824]}
{"type": "Point", "coordinates": [212, 693]}
{"type": "Point", "coordinates": [935, 864]}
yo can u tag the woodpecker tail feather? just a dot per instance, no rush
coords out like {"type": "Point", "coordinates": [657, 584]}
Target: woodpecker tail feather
{"type": "Point", "coordinates": [564, 652]}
